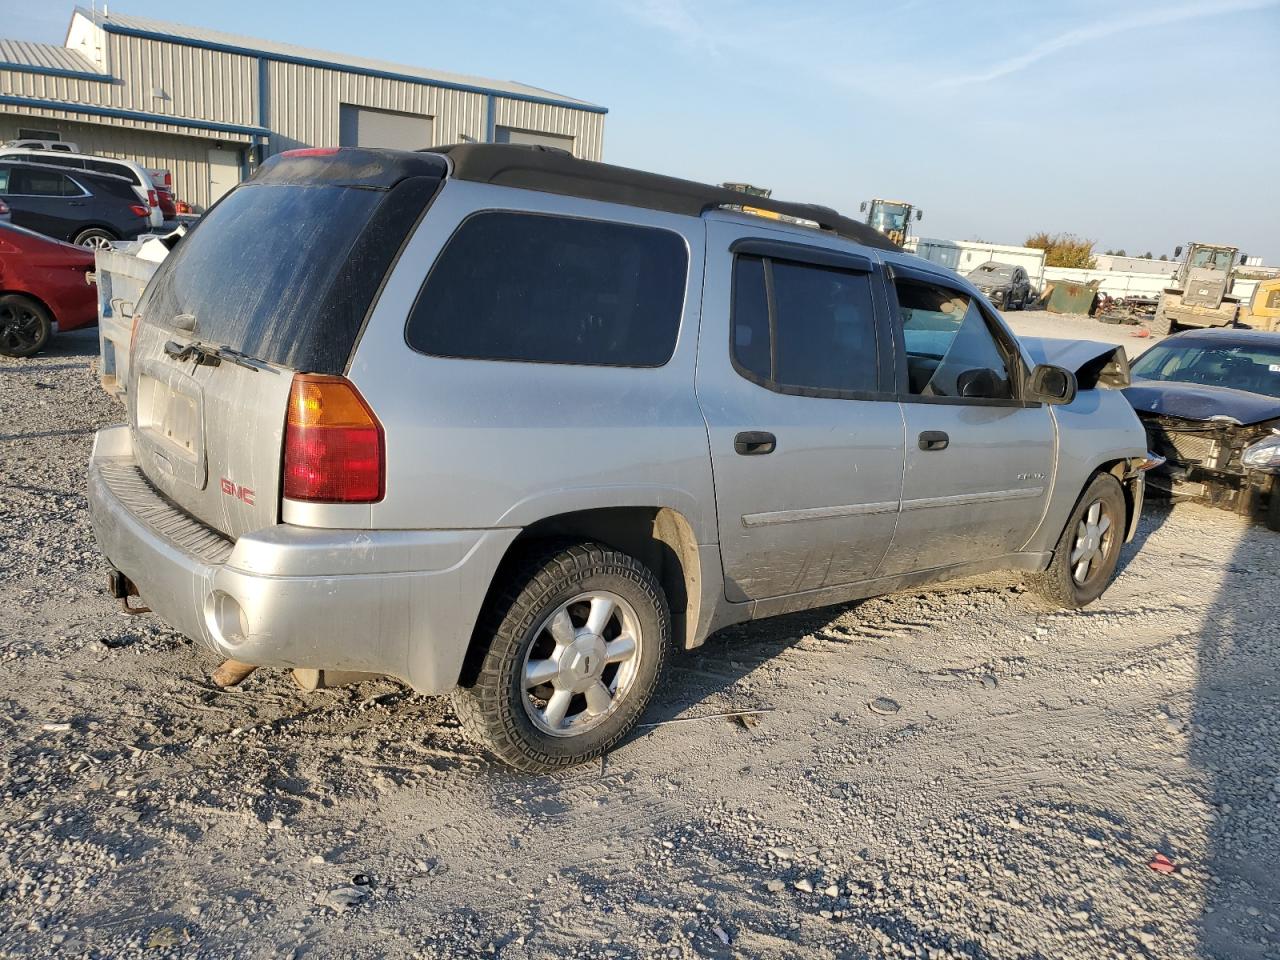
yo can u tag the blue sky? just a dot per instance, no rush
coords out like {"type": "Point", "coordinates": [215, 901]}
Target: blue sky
{"type": "Point", "coordinates": [1139, 125]}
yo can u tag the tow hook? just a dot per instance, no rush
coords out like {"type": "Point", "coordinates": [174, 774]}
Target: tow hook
{"type": "Point", "coordinates": [122, 588]}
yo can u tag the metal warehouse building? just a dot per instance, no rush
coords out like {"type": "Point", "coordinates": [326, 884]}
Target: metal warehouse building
{"type": "Point", "coordinates": [209, 106]}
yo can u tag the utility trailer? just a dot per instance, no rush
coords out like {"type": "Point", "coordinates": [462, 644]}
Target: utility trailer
{"type": "Point", "coordinates": [122, 272]}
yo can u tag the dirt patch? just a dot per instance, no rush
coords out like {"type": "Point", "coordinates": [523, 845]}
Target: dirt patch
{"type": "Point", "coordinates": [1008, 804]}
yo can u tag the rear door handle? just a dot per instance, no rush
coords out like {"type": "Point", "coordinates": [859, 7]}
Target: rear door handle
{"type": "Point", "coordinates": [934, 440]}
{"type": "Point", "coordinates": [751, 443]}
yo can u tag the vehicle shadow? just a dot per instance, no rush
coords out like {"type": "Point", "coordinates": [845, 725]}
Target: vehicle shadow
{"type": "Point", "coordinates": [701, 677]}
{"type": "Point", "coordinates": [1155, 514]}
{"type": "Point", "coordinates": [1234, 743]}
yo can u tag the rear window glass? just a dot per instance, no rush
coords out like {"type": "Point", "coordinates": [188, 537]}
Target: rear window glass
{"type": "Point", "coordinates": [521, 286]}
{"type": "Point", "coordinates": [280, 272]}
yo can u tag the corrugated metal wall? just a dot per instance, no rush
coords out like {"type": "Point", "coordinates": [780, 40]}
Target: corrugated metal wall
{"type": "Point", "coordinates": [204, 84]}
{"type": "Point", "coordinates": [303, 105]}
{"type": "Point", "coordinates": [587, 129]}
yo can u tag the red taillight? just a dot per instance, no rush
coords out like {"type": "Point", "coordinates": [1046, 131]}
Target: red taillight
{"type": "Point", "coordinates": [310, 152]}
{"type": "Point", "coordinates": [139, 210]}
{"type": "Point", "coordinates": [153, 198]}
{"type": "Point", "coordinates": [334, 450]}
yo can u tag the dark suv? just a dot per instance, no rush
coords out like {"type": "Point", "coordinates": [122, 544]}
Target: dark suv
{"type": "Point", "coordinates": [89, 209]}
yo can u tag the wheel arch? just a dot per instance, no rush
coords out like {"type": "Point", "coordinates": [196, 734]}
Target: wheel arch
{"type": "Point", "coordinates": [10, 291]}
{"type": "Point", "coordinates": [95, 225]}
{"type": "Point", "coordinates": [660, 537]}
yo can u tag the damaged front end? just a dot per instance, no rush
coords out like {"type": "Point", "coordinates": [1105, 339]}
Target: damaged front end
{"type": "Point", "coordinates": [1218, 461]}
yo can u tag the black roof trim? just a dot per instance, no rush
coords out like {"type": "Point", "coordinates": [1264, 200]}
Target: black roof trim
{"type": "Point", "coordinates": [556, 171]}
{"type": "Point", "coordinates": [349, 166]}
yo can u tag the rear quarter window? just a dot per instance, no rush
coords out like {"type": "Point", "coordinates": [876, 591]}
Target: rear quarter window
{"type": "Point", "coordinates": [550, 289]}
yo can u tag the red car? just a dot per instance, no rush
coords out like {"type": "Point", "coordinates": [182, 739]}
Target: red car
{"type": "Point", "coordinates": [42, 281]}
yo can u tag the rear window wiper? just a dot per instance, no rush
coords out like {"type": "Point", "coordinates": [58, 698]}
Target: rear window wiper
{"type": "Point", "coordinates": [207, 356]}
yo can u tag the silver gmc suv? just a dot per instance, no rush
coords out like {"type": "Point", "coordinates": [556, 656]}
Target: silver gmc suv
{"type": "Point", "coordinates": [497, 421]}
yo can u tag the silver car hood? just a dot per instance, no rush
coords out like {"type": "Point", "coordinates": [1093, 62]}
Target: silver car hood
{"type": "Point", "coordinates": [1094, 364]}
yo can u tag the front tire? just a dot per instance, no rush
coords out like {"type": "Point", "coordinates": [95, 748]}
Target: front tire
{"type": "Point", "coordinates": [25, 326]}
{"type": "Point", "coordinates": [577, 646]}
{"type": "Point", "coordinates": [1084, 561]}
{"type": "Point", "coordinates": [1161, 324]}
{"type": "Point", "coordinates": [1273, 507]}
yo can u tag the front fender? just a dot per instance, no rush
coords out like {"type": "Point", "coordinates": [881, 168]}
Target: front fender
{"type": "Point", "coordinates": [1096, 431]}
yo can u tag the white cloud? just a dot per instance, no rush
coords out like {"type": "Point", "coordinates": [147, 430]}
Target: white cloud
{"type": "Point", "coordinates": [1102, 29]}
{"type": "Point", "coordinates": [675, 17]}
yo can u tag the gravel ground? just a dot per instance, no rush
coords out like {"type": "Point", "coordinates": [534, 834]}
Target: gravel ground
{"type": "Point", "coordinates": [1003, 800]}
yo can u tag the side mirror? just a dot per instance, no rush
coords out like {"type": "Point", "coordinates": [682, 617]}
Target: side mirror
{"type": "Point", "coordinates": [1177, 252]}
{"type": "Point", "coordinates": [1243, 257]}
{"type": "Point", "coordinates": [1051, 384]}
{"type": "Point", "coordinates": [862, 207]}
{"type": "Point", "coordinates": [919, 214]}
{"type": "Point", "coordinates": [979, 383]}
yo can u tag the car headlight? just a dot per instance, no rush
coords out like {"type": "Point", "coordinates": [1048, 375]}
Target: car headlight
{"type": "Point", "coordinates": [1263, 455]}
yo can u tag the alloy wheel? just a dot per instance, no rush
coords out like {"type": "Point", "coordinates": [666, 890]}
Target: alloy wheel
{"type": "Point", "coordinates": [19, 327]}
{"type": "Point", "coordinates": [1094, 535]}
{"type": "Point", "coordinates": [581, 663]}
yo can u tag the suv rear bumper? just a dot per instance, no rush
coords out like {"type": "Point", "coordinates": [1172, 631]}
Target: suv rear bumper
{"type": "Point", "coordinates": [398, 602]}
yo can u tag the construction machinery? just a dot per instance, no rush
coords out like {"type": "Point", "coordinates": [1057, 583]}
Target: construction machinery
{"type": "Point", "coordinates": [1199, 294]}
{"type": "Point", "coordinates": [890, 217]}
{"type": "Point", "coordinates": [1263, 311]}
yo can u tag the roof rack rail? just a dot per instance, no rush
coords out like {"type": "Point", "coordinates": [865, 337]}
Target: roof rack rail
{"type": "Point", "coordinates": [553, 170]}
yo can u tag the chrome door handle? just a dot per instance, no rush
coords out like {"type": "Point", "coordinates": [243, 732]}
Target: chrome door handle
{"type": "Point", "coordinates": [934, 440]}
{"type": "Point", "coordinates": [752, 443]}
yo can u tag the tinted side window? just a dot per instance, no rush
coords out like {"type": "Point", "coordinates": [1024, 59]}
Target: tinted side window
{"type": "Point", "coordinates": [51, 160]}
{"type": "Point", "coordinates": [116, 169]}
{"type": "Point", "coordinates": [4, 180]}
{"type": "Point", "coordinates": [522, 286]}
{"type": "Point", "coordinates": [751, 317]}
{"type": "Point", "coordinates": [823, 332]}
{"type": "Point", "coordinates": [32, 182]}
{"type": "Point", "coordinates": [949, 345]}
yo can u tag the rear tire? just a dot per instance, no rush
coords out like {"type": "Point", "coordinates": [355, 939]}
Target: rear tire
{"type": "Point", "coordinates": [577, 644]}
{"type": "Point", "coordinates": [95, 238]}
{"type": "Point", "coordinates": [1084, 561]}
{"type": "Point", "coordinates": [25, 326]}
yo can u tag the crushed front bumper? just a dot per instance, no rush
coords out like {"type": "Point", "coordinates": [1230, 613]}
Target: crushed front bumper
{"type": "Point", "coordinates": [397, 602]}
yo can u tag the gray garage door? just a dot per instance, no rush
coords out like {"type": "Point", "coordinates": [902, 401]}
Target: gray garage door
{"type": "Point", "coordinates": [512, 135]}
{"type": "Point", "coordinates": [366, 127]}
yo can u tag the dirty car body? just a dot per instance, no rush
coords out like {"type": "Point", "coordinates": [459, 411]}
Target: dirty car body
{"type": "Point", "coordinates": [1210, 402]}
{"type": "Point", "coordinates": [495, 380]}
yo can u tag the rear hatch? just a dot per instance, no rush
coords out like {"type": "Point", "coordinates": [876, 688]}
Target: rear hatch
{"type": "Point", "coordinates": [277, 278]}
